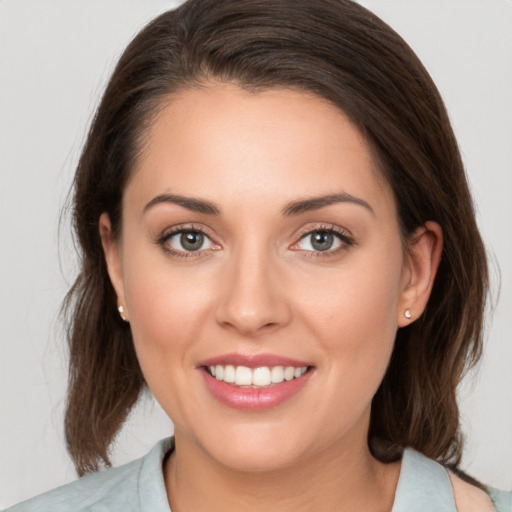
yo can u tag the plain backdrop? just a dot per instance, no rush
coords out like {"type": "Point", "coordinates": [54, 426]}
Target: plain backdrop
{"type": "Point", "coordinates": [55, 57]}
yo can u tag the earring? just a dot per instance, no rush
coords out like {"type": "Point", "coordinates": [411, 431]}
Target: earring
{"type": "Point", "coordinates": [408, 313]}
{"type": "Point", "coordinates": [121, 311]}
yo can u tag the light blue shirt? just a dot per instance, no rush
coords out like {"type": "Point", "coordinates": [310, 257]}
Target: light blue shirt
{"type": "Point", "coordinates": [423, 486]}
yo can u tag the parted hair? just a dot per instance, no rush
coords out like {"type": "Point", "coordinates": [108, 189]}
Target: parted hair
{"type": "Point", "coordinates": [342, 52]}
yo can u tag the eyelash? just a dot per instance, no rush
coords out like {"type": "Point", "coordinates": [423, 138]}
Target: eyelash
{"type": "Point", "coordinates": [164, 239]}
{"type": "Point", "coordinates": [346, 241]}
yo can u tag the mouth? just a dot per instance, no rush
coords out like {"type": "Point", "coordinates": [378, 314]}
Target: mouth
{"type": "Point", "coordinates": [254, 382]}
{"type": "Point", "coordinates": [255, 378]}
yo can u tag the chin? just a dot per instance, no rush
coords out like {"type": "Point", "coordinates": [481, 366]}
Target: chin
{"type": "Point", "coordinates": [255, 449]}
{"type": "Point", "coordinates": [254, 459]}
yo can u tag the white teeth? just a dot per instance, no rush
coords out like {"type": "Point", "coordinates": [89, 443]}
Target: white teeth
{"type": "Point", "coordinates": [261, 376]}
{"type": "Point", "coordinates": [258, 377]}
{"type": "Point", "coordinates": [229, 373]}
{"type": "Point", "coordinates": [277, 374]}
{"type": "Point", "coordinates": [289, 372]}
{"type": "Point", "coordinates": [243, 376]}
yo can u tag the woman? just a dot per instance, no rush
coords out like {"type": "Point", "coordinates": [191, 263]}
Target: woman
{"type": "Point", "coordinates": [279, 241]}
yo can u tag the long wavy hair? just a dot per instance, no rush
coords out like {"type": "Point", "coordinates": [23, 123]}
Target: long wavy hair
{"type": "Point", "coordinates": [345, 54]}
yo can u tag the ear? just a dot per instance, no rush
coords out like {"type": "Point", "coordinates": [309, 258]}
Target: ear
{"type": "Point", "coordinates": [113, 260]}
{"type": "Point", "coordinates": [422, 261]}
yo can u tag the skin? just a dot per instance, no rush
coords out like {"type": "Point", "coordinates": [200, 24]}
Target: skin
{"type": "Point", "coordinates": [258, 287]}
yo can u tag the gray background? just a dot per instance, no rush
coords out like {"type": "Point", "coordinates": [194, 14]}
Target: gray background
{"type": "Point", "coordinates": [55, 57]}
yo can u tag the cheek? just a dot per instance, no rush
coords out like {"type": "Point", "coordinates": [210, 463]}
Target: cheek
{"type": "Point", "coordinates": [167, 317]}
{"type": "Point", "coordinates": [167, 307]}
{"type": "Point", "coordinates": [354, 315]}
{"type": "Point", "coordinates": [363, 296]}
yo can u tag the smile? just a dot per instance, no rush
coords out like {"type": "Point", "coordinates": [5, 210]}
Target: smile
{"type": "Point", "coordinates": [255, 382]}
{"type": "Point", "coordinates": [263, 376]}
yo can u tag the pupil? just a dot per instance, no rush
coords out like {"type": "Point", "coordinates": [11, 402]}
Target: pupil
{"type": "Point", "coordinates": [322, 241]}
{"type": "Point", "coordinates": [191, 241]}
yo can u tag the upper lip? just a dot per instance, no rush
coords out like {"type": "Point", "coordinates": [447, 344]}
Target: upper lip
{"type": "Point", "coordinates": [253, 360]}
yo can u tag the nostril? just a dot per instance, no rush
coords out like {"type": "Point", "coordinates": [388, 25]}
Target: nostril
{"type": "Point", "coordinates": [250, 328]}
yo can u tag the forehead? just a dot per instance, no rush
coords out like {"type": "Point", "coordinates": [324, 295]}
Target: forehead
{"type": "Point", "coordinates": [277, 144]}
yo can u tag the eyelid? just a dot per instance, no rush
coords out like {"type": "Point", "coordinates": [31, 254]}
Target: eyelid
{"type": "Point", "coordinates": [341, 234]}
{"type": "Point", "coordinates": [182, 228]}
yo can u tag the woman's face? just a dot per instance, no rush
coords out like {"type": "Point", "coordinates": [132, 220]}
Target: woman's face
{"type": "Point", "coordinates": [258, 233]}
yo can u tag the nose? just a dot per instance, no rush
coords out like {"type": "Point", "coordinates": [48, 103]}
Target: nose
{"type": "Point", "coordinates": [253, 297]}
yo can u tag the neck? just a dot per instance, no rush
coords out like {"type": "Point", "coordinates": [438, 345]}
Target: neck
{"type": "Point", "coordinates": [340, 479]}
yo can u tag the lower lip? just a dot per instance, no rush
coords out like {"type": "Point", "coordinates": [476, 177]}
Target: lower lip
{"type": "Point", "coordinates": [254, 399]}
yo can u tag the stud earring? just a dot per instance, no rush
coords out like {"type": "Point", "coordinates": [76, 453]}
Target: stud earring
{"type": "Point", "coordinates": [121, 312]}
{"type": "Point", "coordinates": [408, 313]}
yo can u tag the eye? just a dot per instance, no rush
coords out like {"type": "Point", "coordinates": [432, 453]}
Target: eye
{"type": "Point", "coordinates": [187, 240]}
{"type": "Point", "coordinates": [322, 240]}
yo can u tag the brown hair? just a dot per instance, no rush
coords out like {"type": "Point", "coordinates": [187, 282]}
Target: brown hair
{"type": "Point", "coordinates": [341, 52]}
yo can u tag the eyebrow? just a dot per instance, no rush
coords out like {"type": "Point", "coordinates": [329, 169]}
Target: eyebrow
{"type": "Point", "coordinates": [315, 203]}
{"type": "Point", "coordinates": [190, 203]}
{"type": "Point", "coordinates": [293, 208]}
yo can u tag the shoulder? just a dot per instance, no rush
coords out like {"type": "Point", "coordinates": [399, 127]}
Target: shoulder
{"type": "Point", "coordinates": [468, 497]}
{"type": "Point", "coordinates": [122, 488]}
{"type": "Point", "coordinates": [502, 500]}
{"type": "Point", "coordinates": [426, 485]}
{"type": "Point", "coordinates": [116, 486]}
